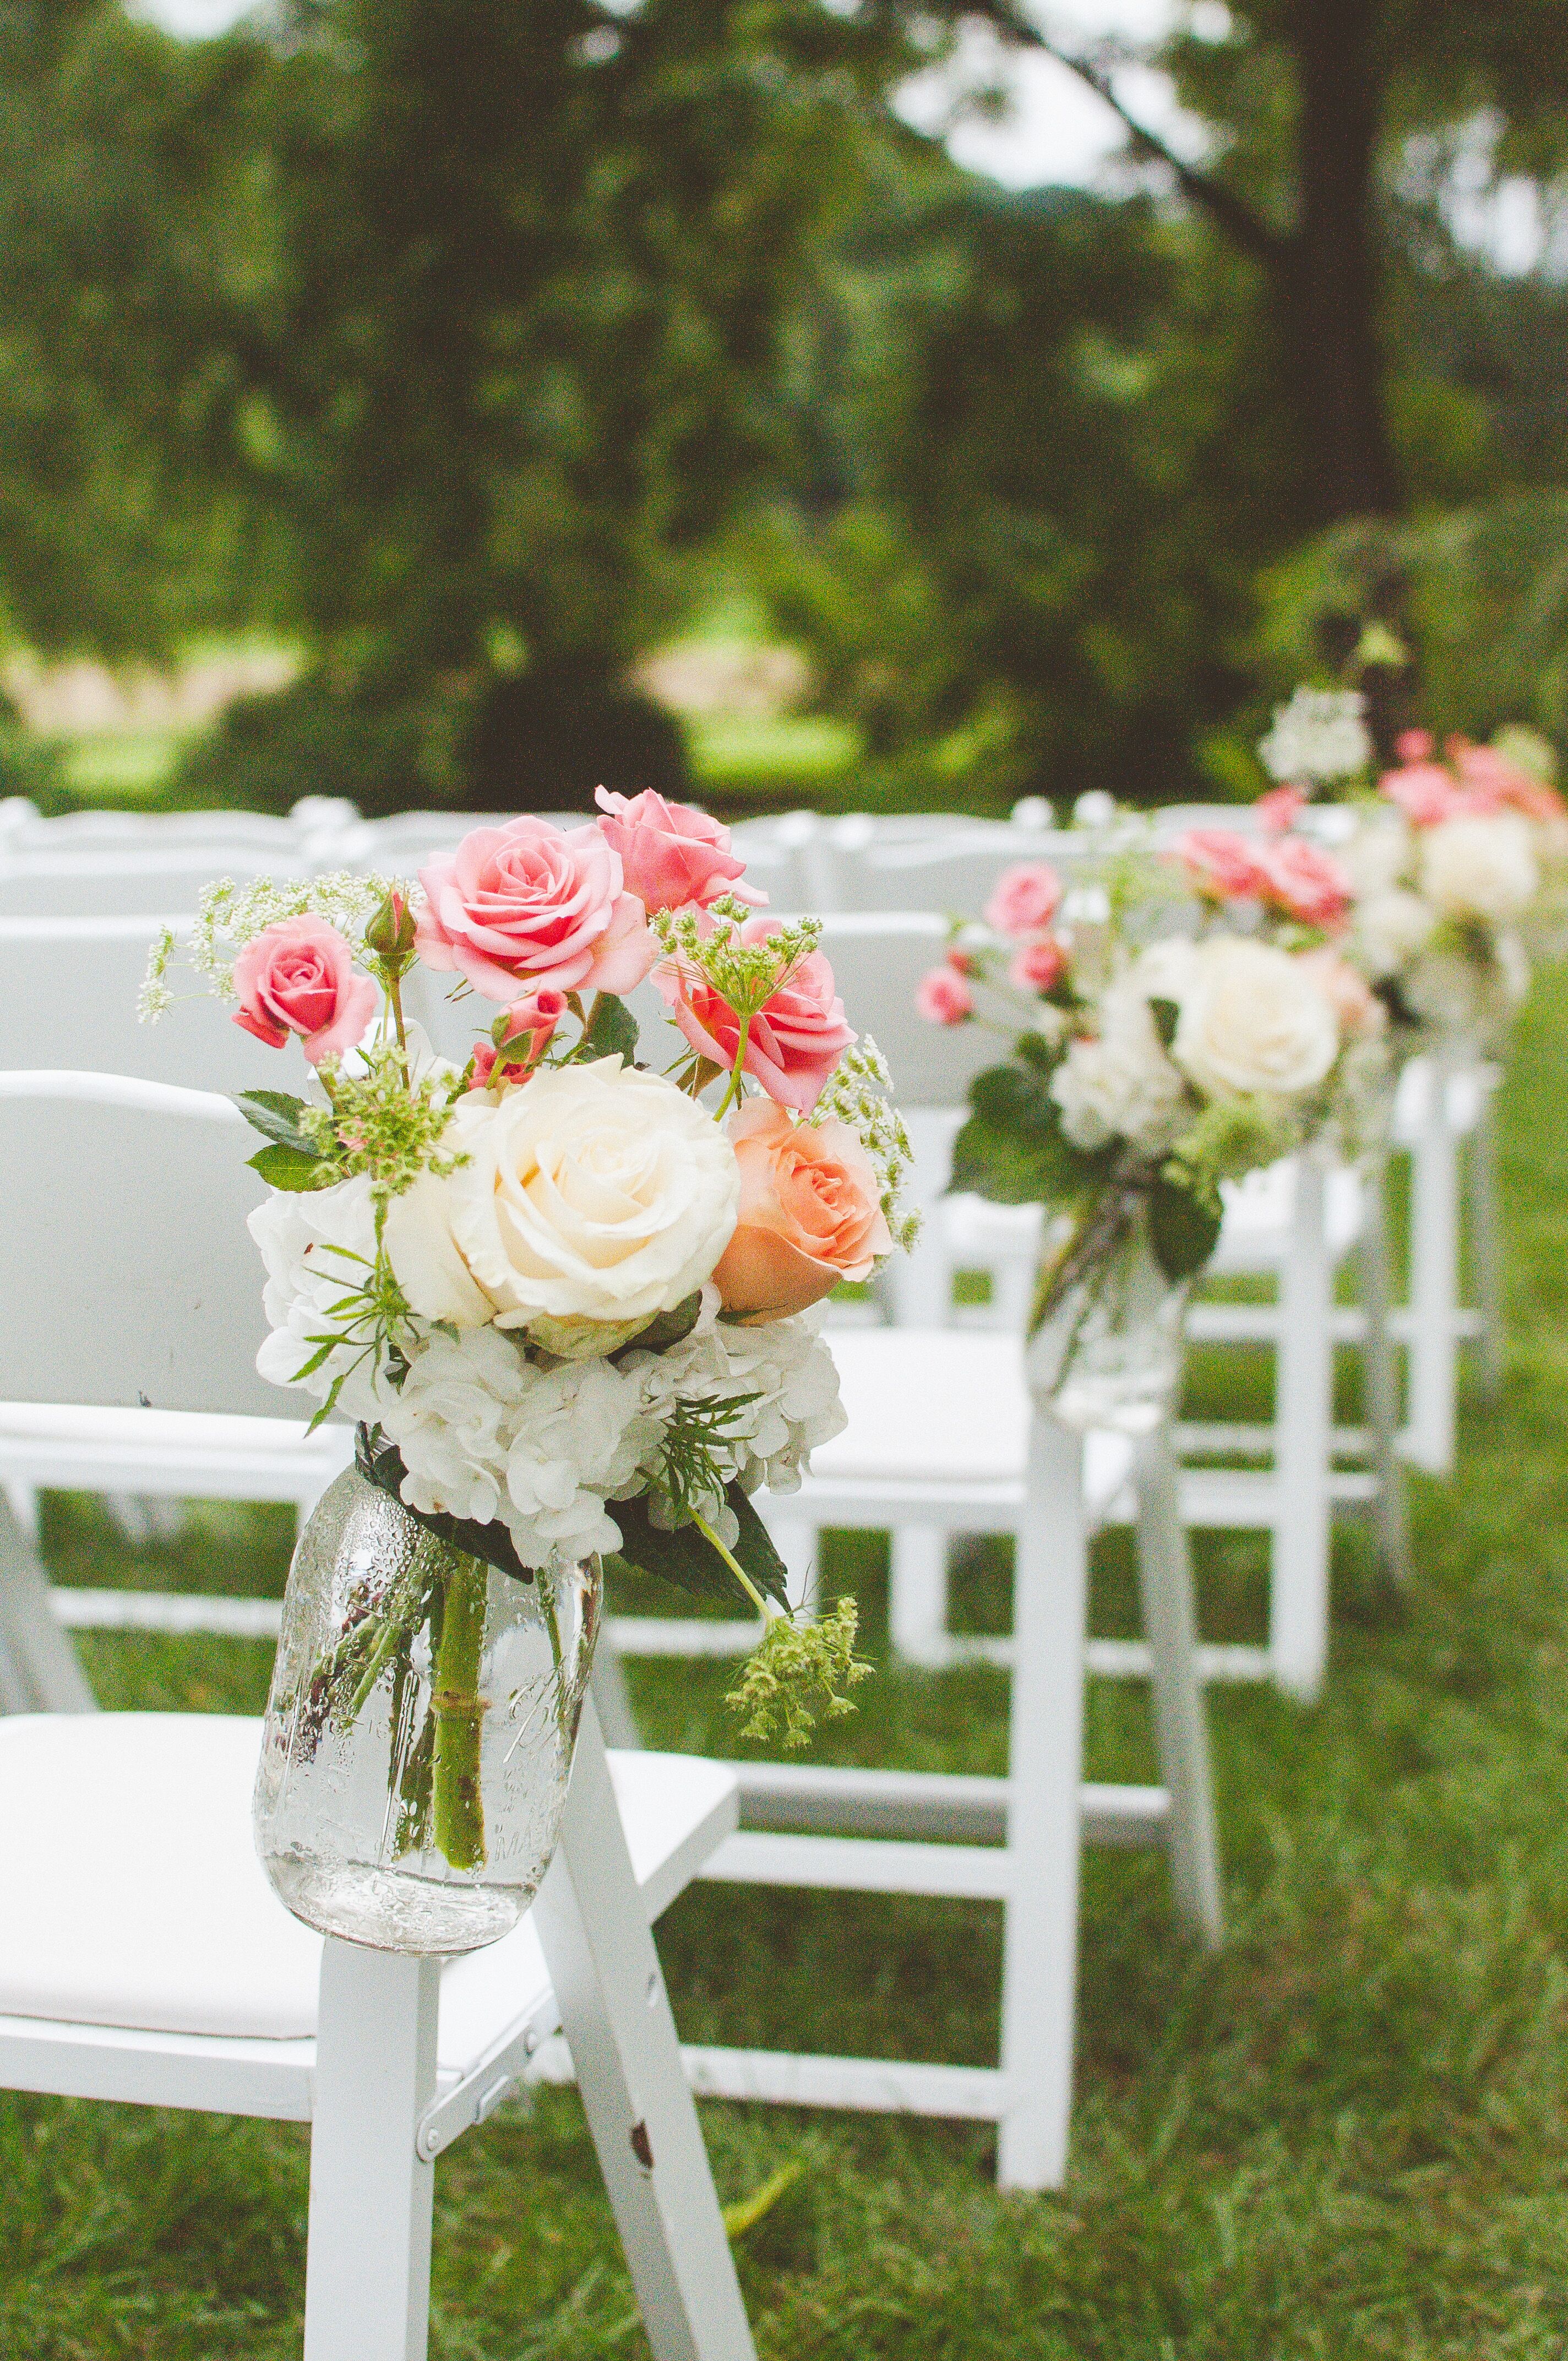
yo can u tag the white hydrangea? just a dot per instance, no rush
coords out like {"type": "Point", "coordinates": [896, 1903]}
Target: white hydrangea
{"type": "Point", "coordinates": [1480, 866]}
{"type": "Point", "coordinates": [1390, 928]}
{"type": "Point", "coordinates": [485, 1432]}
{"type": "Point", "coordinates": [1377, 856]}
{"type": "Point", "coordinates": [1123, 1085]}
{"type": "Point", "coordinates": [787, 1366]}
{"type": "Point", "coordinates": [319, 1247]}
{"type": "Point", "coordinates": [1321, 734]}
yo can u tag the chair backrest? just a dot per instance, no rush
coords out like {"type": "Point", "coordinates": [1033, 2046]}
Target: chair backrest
{"type": "Point", "coordinates": [127, 1273]}
{"type": "Point", "coordinates": [68, 989]}
{"type": "Point", "coordinates": [954, 875]}
{"type": "Point", "coordinates": [133, 880]}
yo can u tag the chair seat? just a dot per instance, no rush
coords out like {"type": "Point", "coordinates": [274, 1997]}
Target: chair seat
{"type": "Point", "coordinates": [131, 1895]}
{"type": "Point", "coordinates": [69, 1447]}
{"type": "Point", "coordinates": [934, 1406]}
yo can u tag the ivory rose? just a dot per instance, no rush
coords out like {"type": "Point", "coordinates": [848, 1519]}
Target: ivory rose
{"type": "Point", "coordinates": [530, 902]}
{"type": "Point", "coordinates": [1024, 898]}
{"type": "Point", "coordinates": [810, 1215]}
{"type": "Point", "coordinates": [1480, 868]}
{"type": "Point", "coordinates": [1391, 928]}
{"type": "Point", "coordinates": [671, 853]}
{"type": "Point", "coordinates": [1252, 1018]}
{"type": "Point", "coordinates": [794, 1041]}
{"type": "Point", "coordinates": [299, 977]}
{"type": "Point", "coordinates": [592, 1194]}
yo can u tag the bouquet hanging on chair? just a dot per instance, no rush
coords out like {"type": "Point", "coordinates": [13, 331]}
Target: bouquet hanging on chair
{"type": "Point", "coordinates": [569, 1300]}
{"type": "Point", "coordinates": [1137, 1079]}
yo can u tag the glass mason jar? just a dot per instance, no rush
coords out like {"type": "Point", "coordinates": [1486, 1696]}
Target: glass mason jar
{"type": "Point", "coordinates": [1108, 1352]}
{"type": "Point", "coordinates": [420, 1729]}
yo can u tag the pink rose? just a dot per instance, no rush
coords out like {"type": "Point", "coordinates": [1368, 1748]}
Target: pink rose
{"type": "Point", "coordinates": [671, 853]}
{"type": "Point", "coordinates": [943, 998]}
{"type": "Point", "coordinates": [299, 977]}
{"type": "Point", "coordinates": [531, 1021]}
{"type": "Point", "coordinates": [1305, 882]}
{"type": "Point", "coordinates": [1415, 746]}
{"type": "Point", "coordinates": [1491, 783]}
{"type": "Point", "coordinates": [809, 1213]}
{"type": "Point", "coordinates": [1349, 994]}
{"type": "Point", "coordinates": [1024, 899]}
{"type": "Point", "coordinates": [794, 1041]}
{"type": "Point", "coordinates": [1225, 866]}
{"type": "Point", "coordinates": [531, 900]}
{"type": "Point", "coordinates": [1035, 966]}
{"type": "Point", "coordinates": [1280, 808]}
{"type": "Point", "coordinates": [1424, 792]}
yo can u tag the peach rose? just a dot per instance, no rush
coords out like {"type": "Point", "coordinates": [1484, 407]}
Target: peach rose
{"type": "Point", "coordinates": [1024, 898]}
{"type": "Point", "coordinates": [299, 977]}
{"type": "Point", "coordinates": [530, 902]}
{"type": "Point", "coordinates": [671, 853]}
{"type": "Point", "coordinates": [1348, 993]}
{"type": "Point", "coordinates": [794, 1041]}
{"type": "Point", "coordinates": [809, 1213]}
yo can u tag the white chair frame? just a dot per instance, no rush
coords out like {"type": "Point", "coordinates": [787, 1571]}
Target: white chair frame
{"type": "Point", "coordinates": [372, 2081]}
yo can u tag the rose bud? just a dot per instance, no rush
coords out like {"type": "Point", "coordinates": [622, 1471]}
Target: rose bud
{"type": "Point", "coordinates": [390, 933]}
{"type": "Point", "coordinates": [943, 998]}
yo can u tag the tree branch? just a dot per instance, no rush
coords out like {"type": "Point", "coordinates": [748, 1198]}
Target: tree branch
{"type": "Point", "coordinates": [1275, 249]}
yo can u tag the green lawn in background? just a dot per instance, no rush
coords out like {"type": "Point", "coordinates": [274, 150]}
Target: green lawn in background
{"type": "Point", "coordinates": [1347, 2138]}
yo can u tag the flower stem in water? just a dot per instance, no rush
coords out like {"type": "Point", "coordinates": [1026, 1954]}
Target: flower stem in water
{"type": "Point", "coordinates": [457, 1808]}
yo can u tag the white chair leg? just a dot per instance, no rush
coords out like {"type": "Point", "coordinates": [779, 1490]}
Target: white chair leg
{"type": "Point", "coordinates": [1380, 1378]}
{"type": "Point", "coordinates": [616, 2016]}
{"type": "Point", "coordinates": [617, 1718]}
{"type": "Point", "coordinates": [1434, 1289]}
{"type": "Point", "coordinates": [39, 1669]}
{"type": "Point", "coordinates": [368, 2267]}
{"type": "Point", "coordinates": [1299, 1587]}
{"type": "Point", "coordinates": [1486, 1244]}
{"type": "Point", "coordinates": [1039, 1972]}
{"type": "Point", "coordinates": [23, 1501]}
{"type": "Point", "coordinates": [1182, 1728]}
{"type": "Point", "coordinates": [918, 1594]}
{"type": "Point", "coordinates": [798, 1543]}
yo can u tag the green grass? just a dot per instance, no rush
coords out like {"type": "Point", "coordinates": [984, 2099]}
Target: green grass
{"type": "Point", "coordinates": [1346, 2139]}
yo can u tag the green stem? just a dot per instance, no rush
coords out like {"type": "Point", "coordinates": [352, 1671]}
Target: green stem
{"type": "Point", "coordinates": [764, 1607]}
{"type": "Point", "coordinates": [733, 1090]}
{"type": "Point", "coordinates": [395, 994]}
{"type": "Point", "coordinates": [457, 1808]}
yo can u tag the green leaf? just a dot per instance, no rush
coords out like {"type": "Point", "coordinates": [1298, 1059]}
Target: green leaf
{"type": "Point", "coordinates": [290, 1168]}
{"type": "Point", "coordinates": [1183, 1229]}
{"type": "Point", "coordinates": [612, 1029]}
{"type": "Point", "coordinates": [690, 1563]}
{"type": "Point", "coordinates": [1166, 1014]}
{"type": "Point", "coordinates": [381, 1463]}
{"type": "Point", "coordinates": [1016, 1099]}
{"type": "Point", "coordinates": [666, 1328]}
{"type": "Point", "coordinates": [276, 1116]}
{"type": "Point", "coordinates": [1038, 1053]}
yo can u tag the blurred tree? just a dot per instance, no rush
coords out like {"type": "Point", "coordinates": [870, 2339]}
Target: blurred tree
{"type": "Point", "coordinates": [534, 269]}
{"type": "Point", "coordinates": [128, 237]}
{"type": "Point", "coordinates": [1061, 450]}
{"type": "Point", "coordinates": [1312, 103]}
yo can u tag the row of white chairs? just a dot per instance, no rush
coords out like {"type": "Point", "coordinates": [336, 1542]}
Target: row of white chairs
{"type": "Point", "coordinates": [180, 1330]}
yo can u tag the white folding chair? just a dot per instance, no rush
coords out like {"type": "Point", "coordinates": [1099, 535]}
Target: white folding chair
{"type": "Point", "coordinates": [143, 1955]}
{"type": "Point", "coordinates": [942, 1437]}
{"type": "Point", "coordinates": [123, 880]}
{"type": "Point", "coordinates": [68, 989]}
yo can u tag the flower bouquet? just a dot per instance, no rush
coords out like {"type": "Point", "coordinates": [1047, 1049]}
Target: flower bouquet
{"type": "Point", "coordinates": [568, 1300]}
{"type": "Point", "coordinates": [1136, 1081]}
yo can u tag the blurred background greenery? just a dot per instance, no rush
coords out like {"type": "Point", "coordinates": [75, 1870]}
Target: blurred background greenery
{"type": "Point", "coordinates": [449, 401]}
